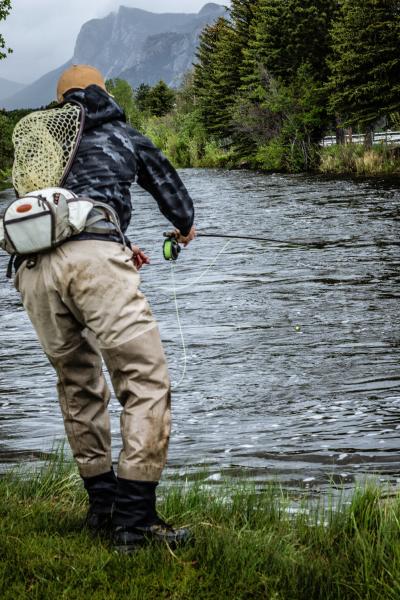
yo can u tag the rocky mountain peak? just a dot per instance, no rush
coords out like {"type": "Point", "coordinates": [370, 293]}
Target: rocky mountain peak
{"type": "Point", "coordinates": [134, 44]}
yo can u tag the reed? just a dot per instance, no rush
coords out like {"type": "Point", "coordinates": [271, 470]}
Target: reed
{"type": "Point", "coordinates": [248, 544]}
{"type": "Point", "coordinates": [354, 159]}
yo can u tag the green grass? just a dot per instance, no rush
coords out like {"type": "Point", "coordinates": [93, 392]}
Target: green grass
{"type": "Point", "coordinates": [354, 159]}
{"type": "Point", "coordinates": [247, 545]}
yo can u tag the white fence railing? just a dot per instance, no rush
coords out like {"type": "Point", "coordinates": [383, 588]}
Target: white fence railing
{"type": "Point", "coordinates": [387, 137]}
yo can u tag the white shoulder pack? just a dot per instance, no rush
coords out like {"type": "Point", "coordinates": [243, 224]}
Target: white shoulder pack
{"type": "Point", "coordinates": [43, 219]}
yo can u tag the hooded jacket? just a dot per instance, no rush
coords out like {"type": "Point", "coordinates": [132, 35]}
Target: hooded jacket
{"type": "Point", "coordinates": [112, 155]}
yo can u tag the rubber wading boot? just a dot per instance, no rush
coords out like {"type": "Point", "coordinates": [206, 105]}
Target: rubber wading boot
{"type": "Point", "coordinates": [101, 490]}
{"type": "Point", "coordinates": [136, 521]}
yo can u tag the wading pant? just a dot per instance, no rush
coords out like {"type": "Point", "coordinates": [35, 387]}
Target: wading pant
{"type": "Point", "coordinates": [84, 301]}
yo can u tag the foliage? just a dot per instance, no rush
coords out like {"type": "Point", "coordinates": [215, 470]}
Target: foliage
{"type": "Point", "coordinates": [8, 120]}
{"type": "Point", "coordinates": [159, 100]}
{"type": "Point", "coordinates": [215, 79]}
{"type": "Point", "coordinates": [248, 544]}
{"type": "Point", "coordinates": [286, 122]}
{"type": "Point", "coordinates": [355, 159]}
{"type": "Point", "coordinates": [124, 95]}
{"type": "Point", "coordinates": [141, 96]}
{"type": "Point", "coordinates": [6, 148]}
{"type": "Point", "coordinates": [260, 78]}
{"type": "Point", "coordinates": [5, 9]}
{"type": "Point", "coordinates": [365, 67]}
{"type": "Point", "coordinates": [285, 34]}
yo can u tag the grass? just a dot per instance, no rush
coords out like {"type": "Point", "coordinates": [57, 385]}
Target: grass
{"type": "Point", "coordinates": [354, 159]}
{"type": "Point", "coordinates": [247, 546]}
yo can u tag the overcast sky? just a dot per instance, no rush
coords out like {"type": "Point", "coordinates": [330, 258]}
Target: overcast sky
{"type": "Point", "coordinates": [42, 33]}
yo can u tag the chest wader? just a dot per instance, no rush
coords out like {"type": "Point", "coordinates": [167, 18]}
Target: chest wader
{"type": "Point", "coordinates": [84, 302]}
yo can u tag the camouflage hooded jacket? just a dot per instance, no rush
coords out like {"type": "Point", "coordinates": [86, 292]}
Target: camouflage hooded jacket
{"type": "Point", "coordinates": [112, 155]}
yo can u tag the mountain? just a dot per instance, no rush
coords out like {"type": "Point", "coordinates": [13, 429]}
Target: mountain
{"type": "Point", "coordinates": [137, 45]}
{"type": "Point", "coordinates": [8, 88]}
{"type": "Point", "coordinates": [39, 93]}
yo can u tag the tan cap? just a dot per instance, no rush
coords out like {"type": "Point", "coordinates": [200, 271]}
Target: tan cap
{"type": "Point", "coordinates": [79, 77]}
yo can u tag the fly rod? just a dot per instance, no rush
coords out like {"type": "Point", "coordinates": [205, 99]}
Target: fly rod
{"type": "Point", "coordinates": [171, 248]}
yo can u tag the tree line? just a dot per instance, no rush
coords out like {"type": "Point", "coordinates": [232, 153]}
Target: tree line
{"type": "Point", "coordinates": [274, 76]}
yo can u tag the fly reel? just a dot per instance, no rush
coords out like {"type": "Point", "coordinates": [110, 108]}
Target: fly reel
{"type": "Point", "coordinates": [171, 249]}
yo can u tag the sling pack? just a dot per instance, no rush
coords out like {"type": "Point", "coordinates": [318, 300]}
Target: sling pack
{"type": "Point", "coordinates": [46, 218]}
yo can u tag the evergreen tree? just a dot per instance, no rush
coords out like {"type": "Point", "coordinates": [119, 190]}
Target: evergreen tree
{"type": "Point", "coordinates": [5, 8]}
{"type": "Point", "coordinates": [215, 77]}
{"type": "Point", "coordinates": [242, 14]}
{"type": "Point", "coordinates": [218, 71]}
{"type": "Point", "coordinates": [286, 34]}
{"type": "Point", "coordinates": [160, 99]}
{"type": "Point", "coordinates": [141, 97]}
{"type": "Point", "coordinates": [365, 68]}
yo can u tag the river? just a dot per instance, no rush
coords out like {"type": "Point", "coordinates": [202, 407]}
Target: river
{"type": "Point", "coordinates": [292, 350]}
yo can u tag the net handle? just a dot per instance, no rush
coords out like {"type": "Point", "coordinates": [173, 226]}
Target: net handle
{"type": "Point", "coordinates": [77, 141]}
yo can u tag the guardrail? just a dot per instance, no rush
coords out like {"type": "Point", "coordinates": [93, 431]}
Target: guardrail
{"type": "Point", "coordinates": [387, 137]}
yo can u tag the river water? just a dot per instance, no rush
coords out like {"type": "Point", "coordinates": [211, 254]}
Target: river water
{"type": "Point", "coordinates": [292, 350]}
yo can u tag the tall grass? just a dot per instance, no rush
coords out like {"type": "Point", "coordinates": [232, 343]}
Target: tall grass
{"type": "Point", "coordinates": [247, 545]}
{"type": "Point", "coordinates": [357, 160]}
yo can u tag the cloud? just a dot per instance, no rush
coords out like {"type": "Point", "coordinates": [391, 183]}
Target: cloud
{"type": "Point", "coordinates": [42, 33]}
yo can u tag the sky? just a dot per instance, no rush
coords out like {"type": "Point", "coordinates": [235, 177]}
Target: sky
{"type": "Point", "coordinates": [42, 33]}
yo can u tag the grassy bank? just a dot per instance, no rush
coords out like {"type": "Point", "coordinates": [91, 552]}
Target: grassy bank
{"type": "Point", "coordinates": [246, 546]}
{"type": "Point", "coordinates": [187, 145]}
{"type": "Point", "coordinates": [354, 159]}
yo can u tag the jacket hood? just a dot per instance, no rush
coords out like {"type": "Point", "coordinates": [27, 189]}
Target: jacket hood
{"type": "Point", "coordinates": [99, 106]}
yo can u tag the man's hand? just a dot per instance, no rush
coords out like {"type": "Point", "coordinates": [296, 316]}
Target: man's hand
{"type": "Point", "coordinates": [185, 239]}
{"type": "Point", "coordinates": [139, 258]}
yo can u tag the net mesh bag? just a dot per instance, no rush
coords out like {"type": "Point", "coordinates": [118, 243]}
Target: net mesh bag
{"type": "Point", "coordinates": [44, 142]}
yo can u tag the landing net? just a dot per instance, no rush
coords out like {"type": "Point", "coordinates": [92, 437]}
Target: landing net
{"type": "Point", "coordinates": [44, 143]}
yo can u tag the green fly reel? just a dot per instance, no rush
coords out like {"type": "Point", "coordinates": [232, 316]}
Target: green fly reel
{"type": "Point", "coordinates": [171, 249]}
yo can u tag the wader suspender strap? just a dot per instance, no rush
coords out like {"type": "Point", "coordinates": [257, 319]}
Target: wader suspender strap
{"type": "Point", "coordinates": [10, 265]}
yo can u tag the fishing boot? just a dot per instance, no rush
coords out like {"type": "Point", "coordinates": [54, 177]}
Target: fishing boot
{"type": "Point", "coordinates": [135, 518]}
{"type": "Point", "coordinates": [101, 490]}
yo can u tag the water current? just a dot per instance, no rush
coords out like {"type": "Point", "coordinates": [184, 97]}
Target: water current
{"type": "Point", "coordinates": [293, 350]}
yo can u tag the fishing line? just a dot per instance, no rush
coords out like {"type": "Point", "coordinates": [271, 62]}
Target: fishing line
{"type": "Point", "coordinates": [178, 318]}
{"type": "Point", "coordinates": [196, 281]}
{"type": "Point", "coordinates": [246, 237]}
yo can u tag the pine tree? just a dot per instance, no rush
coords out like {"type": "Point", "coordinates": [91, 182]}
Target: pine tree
{"type": "Point", "coordinates": [215, 77]}
{"type": "Point", "coordinates": [160, 99]}
{"type": "Point", "coordinates": [217, 74]}
{"type": "Point", "coordinates": [242, 14]}
{"type": "Point", "coordinates": [141, 96]}
{"type": "Point", "coordinates": [365, 68]}
{"type": "Point", "coordinates": [286, 34]}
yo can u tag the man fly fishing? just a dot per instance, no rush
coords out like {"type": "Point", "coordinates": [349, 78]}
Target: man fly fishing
{"type": "Point", "coordinates": [84, 302]}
